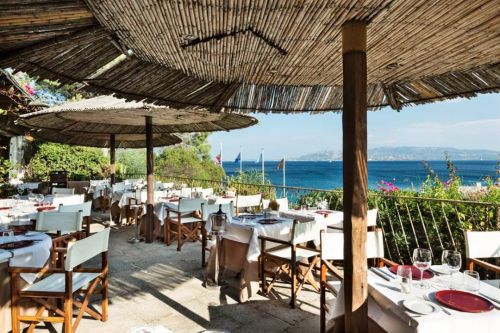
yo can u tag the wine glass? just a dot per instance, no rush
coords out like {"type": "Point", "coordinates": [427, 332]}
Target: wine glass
{"type": "Point", "coordinates": [422, 259]}
{"type": "Point", "coordinates": [39, 199]}
{"type": "Point", "coordinates": [20, 190]}
{"type": "Point", "coordinates": [452, 261]}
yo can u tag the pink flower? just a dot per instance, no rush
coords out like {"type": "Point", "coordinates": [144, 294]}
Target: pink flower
{"type": "Point", "coordinates": [29, 89]}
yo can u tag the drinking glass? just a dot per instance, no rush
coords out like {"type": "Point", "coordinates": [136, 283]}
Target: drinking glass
{"type": "Point", "coordinates": [452, 260]}
{"type": "Point", "coordinates": [422, 259]}
{"type": "Point", "coordinates": [471, 280]}
{"type": "Point", "coordinates": [405, 276]}
{"type": "Point", "coordinates": [20, 190]}
{"type": "Point", "coordinates": [39, 199]}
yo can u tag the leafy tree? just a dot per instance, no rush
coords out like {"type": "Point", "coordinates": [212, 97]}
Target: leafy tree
{"type": "Point", "coordinates": [133, 161]}
{"type": "Point", "coordinates": [79, 162]}
{"type": "Point", "coordinates": [199, 141]}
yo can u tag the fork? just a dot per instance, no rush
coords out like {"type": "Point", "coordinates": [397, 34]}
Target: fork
{"type": "Point", "coordinates": [427, 298]}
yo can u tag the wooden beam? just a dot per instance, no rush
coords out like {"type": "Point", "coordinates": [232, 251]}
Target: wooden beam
{"type": "Point", "coordinates": [355, 175]}
{"type": "Point", "coordinates": [150, 180]}
{"type": "Point", "coordinates": [225, 97]}
{"type": "Point", "coordinates": [112, 155]}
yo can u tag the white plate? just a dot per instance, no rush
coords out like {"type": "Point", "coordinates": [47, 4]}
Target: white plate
{"type": "Point", "coordinates": [440, 269]}
{"type": "Point", "coordinates": [420, 306]}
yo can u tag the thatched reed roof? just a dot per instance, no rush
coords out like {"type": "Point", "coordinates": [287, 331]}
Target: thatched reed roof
{"type": "Point", "coordinates": [267, 56]}
{"type": "Point", "coordinates": [103, 140]}
{"type": "Point", "coordinates": [111, 115]}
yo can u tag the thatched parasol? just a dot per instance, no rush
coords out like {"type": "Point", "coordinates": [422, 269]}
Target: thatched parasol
{"type": "Point", "coordinates": [104, 140]}
{"type": "Point", "coordinates": [107, 119]}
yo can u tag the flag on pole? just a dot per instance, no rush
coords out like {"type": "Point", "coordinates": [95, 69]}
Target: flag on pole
{"type": "Point", "coordinates": [238, 158]}
{"type": "Point", "coordinates": [281, 164]}
{"type": "Point", "coordinates": [259, 160]}
{"type": "Point", "coordinates": [217, 159]}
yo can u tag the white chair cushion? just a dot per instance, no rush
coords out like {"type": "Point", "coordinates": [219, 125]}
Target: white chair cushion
{"type": "Point", "coordinates": [494, 283]}
{"type": "Point", "coordinates": [189, 219]}
{"type": "Point", "coordinates": [55, 282]}
{"type": "Point", "coordinates": [286, 253]}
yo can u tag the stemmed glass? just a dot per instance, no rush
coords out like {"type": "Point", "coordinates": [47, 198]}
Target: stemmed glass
{"type": "Point", "coordinates": [453, 261]}
{"type": "Point", "coordinates": [39, 199]}
{"type": "Point", "coordinates": [20, 190]}
{"type": "Point", "coordinates": [422, 259]}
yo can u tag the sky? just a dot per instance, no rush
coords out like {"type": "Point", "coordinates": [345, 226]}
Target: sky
{"type": "Point", "coordinates": [457, 123]}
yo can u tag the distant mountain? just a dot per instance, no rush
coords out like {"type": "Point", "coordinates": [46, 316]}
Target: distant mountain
{"type": "Point", "coordinates": [407, 154]}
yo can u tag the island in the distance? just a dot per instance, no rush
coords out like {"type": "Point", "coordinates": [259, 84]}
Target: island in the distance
{"type": "Point", "coordinates": [407, 154]}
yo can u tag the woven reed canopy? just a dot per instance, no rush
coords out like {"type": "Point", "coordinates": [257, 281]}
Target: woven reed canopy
{"type": "Point", "coordinates": [111, 115]}
{"type": "Point", "coordinates": [103, 140]}
{"type": "Point", "coordinates": [267, 56]}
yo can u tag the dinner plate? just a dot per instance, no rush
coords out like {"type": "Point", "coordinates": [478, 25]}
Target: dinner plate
{"type": "Point", "coordinates": [5, 208]}
{"type": "Point", "coordinates": [440, 269]}
{"type": "Point", "coordinates": [16, 245]}
{"type": "Point", "coordinates": [268, 221]}
{"type": "Point", "coordinates": [464, 301]}
{"type": "Point", "coordinates": [415, 272]}
{"type": "Point", "coordinates": [420, 306]}
{"type": "Point", "coordinates": [44, 208]}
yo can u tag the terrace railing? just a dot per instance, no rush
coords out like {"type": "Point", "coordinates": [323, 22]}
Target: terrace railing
{"type": "Point", "coordinates": [406, 221]}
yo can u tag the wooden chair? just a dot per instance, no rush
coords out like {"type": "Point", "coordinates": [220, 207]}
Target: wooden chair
{"type": "Point", "coordinates": [481, 245]}
{"type": "Point", "coordinates": [248, 203]}
{"type": "Point", "coordinates": [283, 202]}
{"type": "Point", "coordinates": [289, 256]}
{"type": "Point", "coordinates": [63, 227]}
{"type": "Point", "coordinates": [61, 190]}
{"type": "Point", "coordinates": [185, 222]}
{"type": "Point", "coordinates": [206, 210]}
{"type": "Point", "coordinates": [332, 248]}
{"type": "Point", "coordinates": [86, 209]}
{"type": "Point", "coordinates": [64, 285]}
{"type": "Point", "coordinates": [71, 199]}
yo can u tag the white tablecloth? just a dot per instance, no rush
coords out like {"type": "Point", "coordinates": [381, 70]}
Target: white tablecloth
{"type": "Point", "coordinates": [20, 214]}
{"type": "Point", "coordinates": [35, 255]}
{"type": "Point", "coordinates": [96, 190]}
{"type": "Point", "coordinates": [385, 308]}
{"type": "Point", "coordinates": [333, 218]}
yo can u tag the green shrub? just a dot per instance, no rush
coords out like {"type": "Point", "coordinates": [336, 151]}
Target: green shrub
{"type": "Point", "coordinates": [80, 162]}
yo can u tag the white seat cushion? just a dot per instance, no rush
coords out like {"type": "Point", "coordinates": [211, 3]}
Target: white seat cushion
{"type": "Point", "coordinates": [286, 253]}
{"type": "Point", "coordinates": [55, 282]}
{"type": "Point", "coordinates": [188, 219]}
{"type": "Point", "coordinates": [494, 283]}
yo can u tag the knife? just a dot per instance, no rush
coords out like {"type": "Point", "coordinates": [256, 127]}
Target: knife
{"type": "Point", "coordinates": [383, 276]}
{"type": "Point", "coordinates": [387, 273]}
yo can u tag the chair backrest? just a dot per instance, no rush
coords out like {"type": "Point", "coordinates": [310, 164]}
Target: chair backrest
{"type": "Point", "coordinates": [482, 244]}
{"type": "Point", "coordinates": [87, 248]}
{"type": "Point", "coordinates": [244, 201]}
{"type": "Point", "coordinates": [190, 205]}
{"type": "Point", "coordinates": [371, 218]}
{"type": "Point", "coordinates": [186, 192]}
{"type": "Point", "coordinates": [168, 185]}
{"type": "Point", "coordinates": [207, 209]}
{"type": "Point", "coordinates": [332, 245]}
{"type": "Point", "coordinates": [68, 199]}
{"type": "Point", "coordinates": [62, 190]}
{"type": "Point", "coordinates": [59, 221]}
{"type": "Point", "coordinates": [304, 231]}
{"type": "Point", "coordinates": [283, 202]}
{"type": "Point", "coordinates": [85, 208]}
{"type": "Point", "coordinates": [117, 187]}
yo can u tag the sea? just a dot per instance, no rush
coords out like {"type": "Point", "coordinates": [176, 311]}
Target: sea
{"type": "Point", "coordinates": [328, 175]}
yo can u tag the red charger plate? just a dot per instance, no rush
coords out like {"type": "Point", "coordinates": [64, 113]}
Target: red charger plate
{"type": "Point", "coordinates": [5, 208]}
{"type": "Point", "coordinates": [16, 245]}
{"type": "Point", "coordinates": [268, 221]}
{"type": "Point", "coordinates": [44, 208]}
{"type": "Point", "coordinates": [228, 197]}
{"type": "Point", "coordinates": [463, 301]}
{"type": "Point", "coordinates": [415, 272]}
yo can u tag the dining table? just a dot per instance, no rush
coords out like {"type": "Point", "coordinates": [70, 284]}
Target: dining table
{"type": "Point", "coordinates": [21, 212]}
{"type": "Point", "coordinates": [34, 251]}
{"type": "Point", "coordinates": [240, 249]}
{"type": "Point", "coordinates": [397, 311]}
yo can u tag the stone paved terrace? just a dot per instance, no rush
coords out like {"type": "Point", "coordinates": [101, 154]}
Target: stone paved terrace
{"type": "Point", "coordinates": [155, 285]}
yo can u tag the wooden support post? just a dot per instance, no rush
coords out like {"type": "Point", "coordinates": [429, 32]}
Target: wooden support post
{"type": "Point", "coordinates": [150, 180]}
{"type": "Point", "coordinates": [112, 155]}
{"type": "Point", "coordinates": [355, 175]}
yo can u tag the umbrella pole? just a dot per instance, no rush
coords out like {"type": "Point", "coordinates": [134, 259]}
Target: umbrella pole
{"type": "Point", "coordinates": [150, 180]}
{"type": "Point", "coordinates": [355, 175]}
{"type": "Point", "coordinates": [112, 156]}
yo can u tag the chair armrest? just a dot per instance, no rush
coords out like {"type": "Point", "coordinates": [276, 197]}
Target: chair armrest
{"type": "Point", "coordinates": [275, 240]}
{"type": "Point", "coordinates": [338, 273]}
{"type": "Point", "coordinates": [308, 248]}
{"type": "Point", "coordinates": [60, 250]}
{"type": "Point", "coordinates": [486, 265]}
{"type": "Point", "coordinates": [387, 262]}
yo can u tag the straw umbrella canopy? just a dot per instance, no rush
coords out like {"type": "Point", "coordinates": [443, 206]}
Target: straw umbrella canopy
{"type": "Point", "coordinates": [270, 56]}
{"type": "Point", "coordinates": [104, 119]}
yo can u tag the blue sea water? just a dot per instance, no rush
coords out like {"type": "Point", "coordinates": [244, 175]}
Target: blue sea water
{"type": "Point", "coordinates": [328, 175]}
